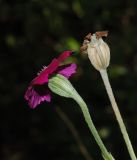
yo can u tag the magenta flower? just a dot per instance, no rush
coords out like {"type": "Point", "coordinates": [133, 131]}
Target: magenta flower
{"type": "Point", "coordinates": [38, 90]}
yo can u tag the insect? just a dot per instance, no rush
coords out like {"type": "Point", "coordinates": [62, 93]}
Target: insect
{"type": "Point", "coordinates": [87, 39]}
{"type": "Point", "coordinates": [84, 46]}
{"type": "Point", "coordinates": [100, 34]}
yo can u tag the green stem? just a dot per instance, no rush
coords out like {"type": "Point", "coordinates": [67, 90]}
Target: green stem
{"type": "Point", "coordinates": [75, 133]}
{"type": "Point", "coordinates": [84, 108]}
{"type": "Point", "coordinates": [105, 78]}
{"type": "Point", "coordinates": [61, 86]}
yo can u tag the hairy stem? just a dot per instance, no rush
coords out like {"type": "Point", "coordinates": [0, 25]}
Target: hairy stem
{"type": "Point", "coordinates": [84, 108]}
{"type": "Point", "coordinates": [105, 78]}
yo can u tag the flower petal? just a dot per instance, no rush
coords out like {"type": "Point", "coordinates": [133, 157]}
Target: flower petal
{"type": "Point", "coordinates": [35, 97]}
{"type": "Point", "coordinates": [38, 90]}
{"type": "Point", "coordinates": [43, 75]}
{"type": "Point", "coordinates": [64, 55]}
{"type": "Point", "coordinates": [67, 70]}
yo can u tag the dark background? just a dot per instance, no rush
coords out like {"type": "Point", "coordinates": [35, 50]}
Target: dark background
{"type": "Point", "coordinates": [32, 32]}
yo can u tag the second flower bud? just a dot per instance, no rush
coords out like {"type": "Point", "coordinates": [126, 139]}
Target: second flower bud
{"type": "Point", "coordinates": [97, 50]}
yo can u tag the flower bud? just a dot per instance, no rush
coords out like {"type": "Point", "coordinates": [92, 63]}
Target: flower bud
{"type": "Point", "coordinates": [98, 51]}
{"type": "Point", "coordinates": [61, 86]}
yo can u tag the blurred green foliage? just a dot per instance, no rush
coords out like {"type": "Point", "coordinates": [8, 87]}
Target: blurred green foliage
{"type": "Point", "coordinates": [32, 32]}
